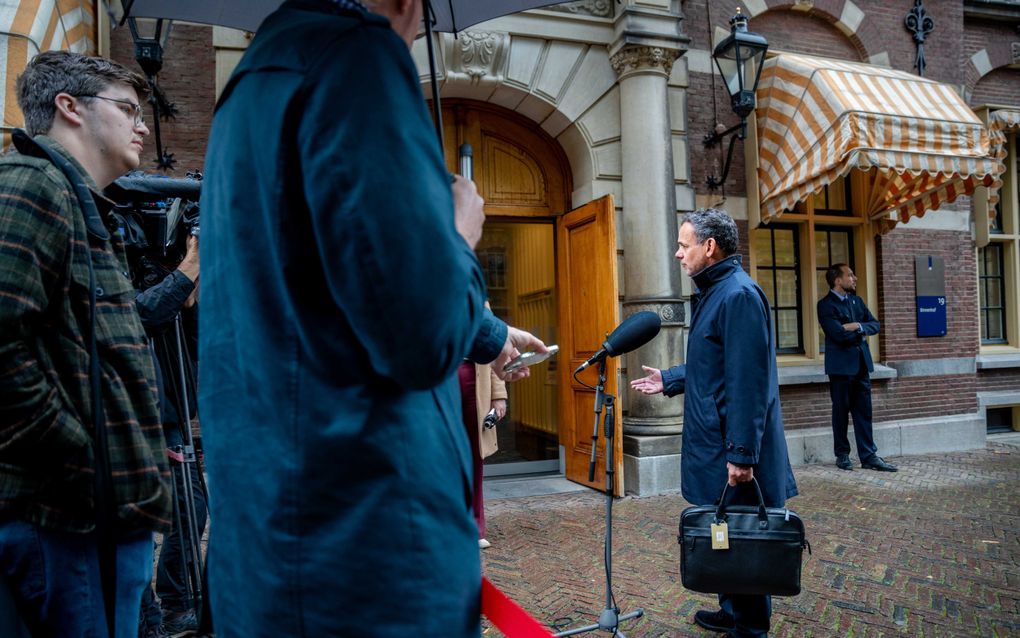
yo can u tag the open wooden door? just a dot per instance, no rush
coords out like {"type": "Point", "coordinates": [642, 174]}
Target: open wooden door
{"type": "Point", "coordinates": [588, 310]}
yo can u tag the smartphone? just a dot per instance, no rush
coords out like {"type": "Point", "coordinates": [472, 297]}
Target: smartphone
{"type": "Point", "coordinates": [530, 359]}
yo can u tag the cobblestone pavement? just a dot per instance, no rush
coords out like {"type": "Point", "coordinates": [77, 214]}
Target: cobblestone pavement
{"type": "Point", "coordinates": [933, 550]}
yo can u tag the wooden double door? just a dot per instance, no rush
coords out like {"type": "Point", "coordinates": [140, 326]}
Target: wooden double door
{"type": "Point", "coordinates": [550, 270]}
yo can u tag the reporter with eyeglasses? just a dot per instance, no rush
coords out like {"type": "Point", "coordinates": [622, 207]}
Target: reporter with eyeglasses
{"type": "Point", "coordinates": [83, 478]}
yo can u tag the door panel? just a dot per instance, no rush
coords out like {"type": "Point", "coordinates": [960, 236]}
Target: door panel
{"type": "Point", "coordinates": [588, 310]}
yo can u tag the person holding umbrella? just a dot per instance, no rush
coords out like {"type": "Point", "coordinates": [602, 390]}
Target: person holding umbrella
{"type": "Point", "coordinates": [340, 294]}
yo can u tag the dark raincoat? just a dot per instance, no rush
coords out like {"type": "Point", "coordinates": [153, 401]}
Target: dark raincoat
{"type": "Point", "coordinates": [731, 389]}
{"type": "Point", "coordinates": [337, 302]}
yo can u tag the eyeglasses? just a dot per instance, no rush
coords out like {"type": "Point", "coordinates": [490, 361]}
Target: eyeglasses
{"type": "Point", "coordinates": [133, 109]}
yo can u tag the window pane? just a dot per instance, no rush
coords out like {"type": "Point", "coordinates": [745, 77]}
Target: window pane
{"type": "Point", "coordinates": [991, 260]}
{"type": "Point", "coordinates": [784, 247]}
{"type": "Point", "coordinates": [819, 199]}
{"type": "Point", "coordinates": [995, 328]}
{"type": "Point", "coordinates": [788, 335]}
{"type": "Point", "coordinates": [840, 243]}
{"type": "Point", "coordinates": [992, 296]}
{"type": "Point", "coordinates": [764, 278]}
{"type": "Point", "coordinates": [776, 273]}
{"type": "Point", "coordinates": [983, 288]}
{"type": "Point", "coordinates": [823, 288]}
{"type": "Point", "coordinates": [821, 249]}
{"type": "Point", "coordinates": [763, 247]}
{"type": "Point", "coordinates": [837, 194]}
{"type": "Point", "coordinates": [786, 282]}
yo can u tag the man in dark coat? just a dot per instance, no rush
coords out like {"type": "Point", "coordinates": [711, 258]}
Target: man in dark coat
{"type": "Point", "coordinates": [733, 427]}
{"type": "Point", "coordinates": [340, 294]}
{"type": "Point", "coordinates": [847, 323]}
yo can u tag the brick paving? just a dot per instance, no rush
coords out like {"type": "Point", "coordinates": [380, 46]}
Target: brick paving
{"type": "Point", "coordinates": [932, 551]}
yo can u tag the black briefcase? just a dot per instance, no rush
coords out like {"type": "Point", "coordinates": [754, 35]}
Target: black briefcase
{"type": "Point", "coordinates": [765, 547]}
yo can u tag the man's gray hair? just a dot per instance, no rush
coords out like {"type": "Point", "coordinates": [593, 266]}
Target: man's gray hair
{"type": "Point", "coordinates": [54, 72]}
{"type": "Point", "coordinates": [714, 223]}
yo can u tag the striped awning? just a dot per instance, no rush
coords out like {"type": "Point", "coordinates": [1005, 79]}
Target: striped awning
{"type": "Point", "coordinates": [818, 119]}
{"type": "Point", "coordinates": [999, 121]}
{"type": "Point", "coordinates": [30, 26]}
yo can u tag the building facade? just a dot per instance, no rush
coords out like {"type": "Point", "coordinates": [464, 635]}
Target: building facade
{"type": "Point", "coordinates": [587, 121]}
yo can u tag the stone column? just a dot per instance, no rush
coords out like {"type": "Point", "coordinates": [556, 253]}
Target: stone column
{"type": "Point", "coordinates": [649, 40]}
{"type": "Point", "coordinates": [650, 279]}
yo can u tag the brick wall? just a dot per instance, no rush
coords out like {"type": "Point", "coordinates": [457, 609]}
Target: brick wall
{"type": "Point", "coordinates": [1001, 87]}
{"type": "Point", "coordinates": [702, 117]}
{"type": "Point", "coordinates": [998, 380]}
{"type": "Point", "coordinates": [942, 51]}
{"type": "Point", "coordinates": [917, 397]}
{"type": "Point", "coordinates": [896, 291]}
{"type": "Point", "coordinates": [995, 40]}
{"type": "Point", "coordinates": [189, 80]}
{"type": "Point", "coordinates": [806, 406]}
{"type": "Point", "coordinates": [809, 406]}
{"type": "Point", "coordinates": [799, 32]}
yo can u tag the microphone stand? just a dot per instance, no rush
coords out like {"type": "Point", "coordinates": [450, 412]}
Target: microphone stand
{"type": "Point", "coordinates": [609, 619]}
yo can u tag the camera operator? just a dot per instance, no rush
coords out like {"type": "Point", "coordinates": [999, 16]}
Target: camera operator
{"type": "Point", "coordinates": [159, 304]}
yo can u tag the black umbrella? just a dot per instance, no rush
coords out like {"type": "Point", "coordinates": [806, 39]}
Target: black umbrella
{"type": "Point", "coordinates": [449, 16]}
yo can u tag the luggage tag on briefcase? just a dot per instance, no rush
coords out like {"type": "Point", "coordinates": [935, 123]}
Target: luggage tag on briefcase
{"type": "Point", "coordinates": [720, 535]}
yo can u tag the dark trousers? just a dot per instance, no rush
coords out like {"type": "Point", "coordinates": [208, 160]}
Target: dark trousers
{"type": "Point", "coordinates": [752, 615]}
{"type": "Point", "coordinates": [851, 395]}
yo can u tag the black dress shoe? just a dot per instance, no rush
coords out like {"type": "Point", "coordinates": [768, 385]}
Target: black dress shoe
{"type": "Point", "coordinates": [843, 462]}
{"type": "Point", "coordinates": [714, 620]}
{"type": "Point", "coordinates": [878, 464]}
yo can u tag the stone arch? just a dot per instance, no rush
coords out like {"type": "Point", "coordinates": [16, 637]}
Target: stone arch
{"type": "Point", "coordinates": [849, 19]}
{"type": "Point", "coordinates": [994, 58]}
{"type": "Point", "coordinates": [568, 89]}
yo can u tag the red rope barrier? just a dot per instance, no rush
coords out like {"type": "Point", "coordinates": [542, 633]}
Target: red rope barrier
{"type": "Point", "coordinates": [508, 616]}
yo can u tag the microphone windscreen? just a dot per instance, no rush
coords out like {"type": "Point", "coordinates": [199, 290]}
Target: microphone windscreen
{"type": "Point", "coordinates": [635, 331]}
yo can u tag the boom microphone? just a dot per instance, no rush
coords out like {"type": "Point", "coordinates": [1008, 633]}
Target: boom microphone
{"type": "Point", "coordinates": [635, 331]}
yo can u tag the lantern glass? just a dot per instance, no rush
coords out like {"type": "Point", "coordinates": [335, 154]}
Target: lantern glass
{"type": "Point", "coordinates": [739, 58]}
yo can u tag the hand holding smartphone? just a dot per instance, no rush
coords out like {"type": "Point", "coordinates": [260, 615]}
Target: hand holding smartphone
{"type": "Point", "coordinates": [530, 358]}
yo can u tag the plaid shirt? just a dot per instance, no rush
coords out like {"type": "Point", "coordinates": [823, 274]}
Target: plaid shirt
{"type": "Point", "coordinates": [47, 471]}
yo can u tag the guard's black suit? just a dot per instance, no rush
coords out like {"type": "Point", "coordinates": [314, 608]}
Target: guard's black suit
{"type": "Point", "coordinates": [848, 364]}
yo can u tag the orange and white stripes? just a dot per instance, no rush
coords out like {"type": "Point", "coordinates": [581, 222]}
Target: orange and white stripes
{"type": "Point", "coordinates": [30, 26]}
{"type": "Point", "coordinates": [999, 121]}
{"type": "Point", "coordinates": [818, 119]}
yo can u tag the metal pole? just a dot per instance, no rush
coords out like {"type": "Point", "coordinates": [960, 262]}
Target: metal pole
{"type": "Point", "coordinates": [437, 110]}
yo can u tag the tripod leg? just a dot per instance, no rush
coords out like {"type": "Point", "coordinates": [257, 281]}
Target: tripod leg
{"type": "Point", "coordinates": [193, 556]}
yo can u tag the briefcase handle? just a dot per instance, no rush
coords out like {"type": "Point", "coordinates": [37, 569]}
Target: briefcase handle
{"type": "Point", "coordinates": [763, 517]}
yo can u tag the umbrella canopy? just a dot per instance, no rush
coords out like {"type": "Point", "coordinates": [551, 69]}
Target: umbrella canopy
{"type": "Point", "coordinates": [450, 15]}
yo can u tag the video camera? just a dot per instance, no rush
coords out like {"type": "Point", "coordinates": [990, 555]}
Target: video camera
{"type": "Point", "coordinates": [156, 215]}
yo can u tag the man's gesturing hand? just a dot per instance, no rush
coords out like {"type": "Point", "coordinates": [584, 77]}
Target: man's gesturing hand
{"type": "Point", "coordinates": [652, 384]}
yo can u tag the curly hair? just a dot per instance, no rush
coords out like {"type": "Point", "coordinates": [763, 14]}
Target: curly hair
{"type": "Point", "coordinates": [714, 223]}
